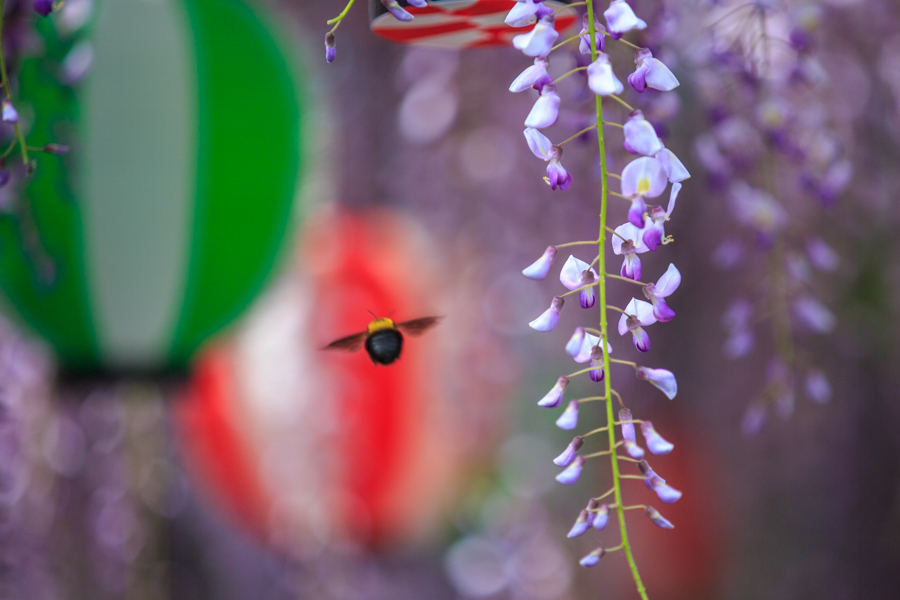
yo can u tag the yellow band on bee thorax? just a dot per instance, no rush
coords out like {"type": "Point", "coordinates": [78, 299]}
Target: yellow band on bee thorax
{"type": "Point", "coordinates": [380, 324]}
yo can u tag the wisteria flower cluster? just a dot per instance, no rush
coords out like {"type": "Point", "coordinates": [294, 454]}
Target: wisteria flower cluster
{"type": "Point", "coordinates": [643, 180]}
{"type": "Point", "coordinates": [771, 146]}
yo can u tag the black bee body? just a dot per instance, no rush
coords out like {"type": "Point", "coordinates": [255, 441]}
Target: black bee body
{"type": "Point", "coordinates": [384, 346]}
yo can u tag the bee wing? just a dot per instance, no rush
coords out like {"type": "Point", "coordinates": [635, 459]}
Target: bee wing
{"type": "Point", "coordinates": [418, 326]}
{"type": "Point", "coordinates": [351, 343]}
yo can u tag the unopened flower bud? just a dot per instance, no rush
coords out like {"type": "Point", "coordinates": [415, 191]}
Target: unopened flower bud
{"type": "Point", "coordinates": [550, 317]}
{"type": "Point", "coordinates": [655, 442]}
{"type": "Point", "coordinates": [593, 558]}
{"type": "Point", "coordinates": [56, 149]}
{"type": "Point", "coordinates": [570, 475]}
{"type": "Point", "coordinates": [633, 449]}
{"type": "Point", "coordinates": [330, 50]}
{"type": "Point", "coordinates": [657, 518]}
{"type": "Point", "coordinates": [661, 379]}
{"type": "Point", "coordinates": [539, 268]}
{"type": "Point", "coordinates": [569, 454]}
{"type": "Point", "coordinates": [552, 398]}
{"type": "Point", "coordinates": [568, 420]}
{"type": "Point", "coordinates": [666, 493]}
{"type": "Point", "coordinates": [640, 137]}
{"type": "Point", "coordinates": [398, 11]}
{"type": "Point", "coordinates": [582, 524]}
{"type": "Point", "coordinates": [601, 517]}
{"type": "Point", "coordinates": [601, 78]}
{"type": "Point", "coordinates": [625, 419]}
{"type": "Point", "coordinates": [648, 473]}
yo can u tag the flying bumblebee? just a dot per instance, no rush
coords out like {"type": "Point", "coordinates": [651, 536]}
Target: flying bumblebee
{"type": "Point", "coordinates": [382, 338]}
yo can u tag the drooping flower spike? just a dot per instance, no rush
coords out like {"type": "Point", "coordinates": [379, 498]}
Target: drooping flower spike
{"type": "Point", "coordinates": [628, 243]}
{"type": "Point", "coordinates": [575, 274]}
{"type": "Point", "coordinates": [638, 314]}
{"type": "Point", "coordinates": [550, 317]}
{"type": "Point", "coordinates": [657, 292]}
{"type": "Point", "coordinates": [620, 19]}
{"type": "Point", "coordinates": [538, 269]}
{"type": "Point", "coordinates": [651, 72]}
{"type": "Point", "coordinates": [642, 178]}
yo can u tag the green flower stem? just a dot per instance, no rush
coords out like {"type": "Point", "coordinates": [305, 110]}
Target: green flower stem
{"type": "Point", "coordinates": [340, 18]}
{"type": "Point", "coordinates": [4, 81]}
{"type": "Point", "coordinates": [617, 484]}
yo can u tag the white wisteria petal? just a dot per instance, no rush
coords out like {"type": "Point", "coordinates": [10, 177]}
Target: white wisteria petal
{"type": "Point", "coordinates": [538, 41]}
{"type": "Point", "coordinates": [535, 74]}
{"type": "Point", "coordinates": [601, 78]}
{"type": "Point", "coordinates": [620, 18]}
{"type": "Point", "coordinates": [640, 137]}
{"type": "Point", "coordinates": [644, 177]}
{"type": "Point", "coordinates": [673, 196]}
{"type": "Point", "coordinates": [662, 379]}
{"type": "Point", "coordinates": [669, 282]}
{"type": "Point", "coordinates": [540, 144]}
{"type": "Point", "coordinates": [658, 76]}
{"type": "Point", "coordinates": [629, 232]}
{"type": "Point", "coordinates": [674, 168]}
{"type": "Point", "coordinates": [570, 274]}
{"type": "Point", "coordinates": [522, 13]}
{"type": "Point", "coordinates": [545, 110]}
{"type": "Point", "coordinates": [538, 269]}
{"type": "Point", "coordinates": [642, 310]}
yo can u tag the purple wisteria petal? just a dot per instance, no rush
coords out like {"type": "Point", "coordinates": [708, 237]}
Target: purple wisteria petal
{"type": "Point", "coordinates": [620, 19]}
{"type": "Point", "coordinates": [601, 518]}
{"type": "Point", "coordinates": [330, 50]}
{"type": "Point", "coordinates": [584, 45]}
{"type": "Point", "coordinates": [552, 398]}
{"type": "Point", "coordinates": [821, 255]}
{"type": "Point", "coordinates": [643, 177]}
{"type": "Point", "coordinates": [640, 137]}
{"type": "Point", "coordinates": [668, 283]}
{"type": "Point", "coordinates": [657, 518]}
{"type": "Point", "coordinates": [648, 473]}
{"type": "Point", "coordinates": [625, 419]}
{"type": "Point", "coordinates": [522, 13]}
{"type": "Point", "coordinates": [417, 3]}
{"type": "Point", "coordinates": [582, 524]}
{"type": "Point", "coordinates": [540, 145]}
{"type": "Point", "coordinates": [571, 474]}
{"type": "Point", "coordinates": [673, 196]}
{"type": "Point", "coordinates": [754, 419]}
{"type": "Point", "coordinates": [550, 317]}
{"type": "Point", "coordinates": [642, 310]}
{"type": "Point", "coordinates": [633, 449]}
{"type": "Point", "coordinates": [398, 11]}
{"type": "Point", "coordinates": [586, 350]}
{"type": "Point", "coordinates": [674, 169]}
{"type": "Point", "coordinates": [539, 41]}
{"type": "Point", "coordinates": [8, 112]}
{"type": "Point", "coordinates": [571, 273]}
{"type": "Point", "coordinates": [653, 73]}
{"type": "Point", "coordinates": [597, 373]}
{"type": "Point", "coordinates": [573, 346]}
{"type": "Point", "coordinates": [661, 378]}
{"type": "Point", "coordinates": [601, 78]}
{"type": "Point", "coordinates": [535, 76]}
{"type": "Point", "coordinates": [546, 110]}
{"type": "Point", "coordinates": [568, 420]}
{"type": "Point", "coordinates": [666, 493]}
{"type": "Point", "coordinates": [586, 298]}
{"type": "Point", "coordinates": [593, 558]}
{"type": "Point", "coordinates": [814, 315]}
{"type": "Point", "coordinates": [569, 454]}
{"type": "Point", "coordinates": [757, 209]}
{"type": "Point", "coordinates": [43, 7]}
{"type": "Point", "coordinates": [557, 176]}
{"type": "Point", "coordinates": [638, 79]}
{"type": "Point", "coordinates": [655, 442]}
{"type": "Point", "coordinates": [641, 340]}
{"type": "Point", "coordinates": [538, 269]}
{"type": "Point", "coordinates": [817, 387]}
{"type": "Point", "coordinates": [636, 211]}
{"type": "Point", "coordinates": [631, 267]}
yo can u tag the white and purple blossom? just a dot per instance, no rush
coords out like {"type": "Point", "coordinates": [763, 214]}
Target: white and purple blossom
{"type": "Point", "coordinates": [523, 12]}
{"type": "Point", "coordinates": [582, 524]}
{"type": "Point", "coordinates": [539, 41]}
{"type": "Point", "coordinates": [571, 473]}
{"type": "Point", "coordinates": [642, 178]}
{"type": "Point", "coordinates": [538, 269]}
{"type": "Point", "coordinates": [655, 222]}
{"type": "Point", "coordinates": [535, 76]}
{"type": "Point", "coordinates": [627, 242]}
{"type": "Point", "coordinates": [568, 420]}
{"type": "Point", "coordinates": [545, 110]}
{"type": "Point", "coordinates": [569, 454]}
{"type": "Point", "coordinates": [601, 78]}
{"type": "Point", "coordinates": [543, 148]}
{"type": "Point", "coordinates": [627, 424]}
{"type": "Point", "coordinates": [584, 45]}
{"type": "Point", "coordinates": [656, 444]}
{"type": "Point", "coordinates": [620, 19]}
{"type": "Point", "coordinates": [597, 372]}
{"type": "Point", "coordinates": [552, 398]}
{"type": "Point", "coordinates": [651, 72]}
{"type": "Point", "coordinates": [657, 293]}
{"type": "Point", "coordinates": [550, 317]}
{"type": "Point", "coordinates": [640, 137]}
{"type": "Point", "coordinates": [660, 378]}
{"type": "Point", "coordinates": [638, 314]}
{"type": "Point", "coordinates": [577, 273]}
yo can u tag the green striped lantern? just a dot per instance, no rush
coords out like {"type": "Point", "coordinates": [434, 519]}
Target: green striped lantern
{"type": "Point", "coordinates": [167, 217]}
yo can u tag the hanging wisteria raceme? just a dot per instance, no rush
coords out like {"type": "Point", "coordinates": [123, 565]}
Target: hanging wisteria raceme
{"type": "Point", "coordinates": [644, 180]}
{"type": "Point", "coordinates": [772, 152]}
